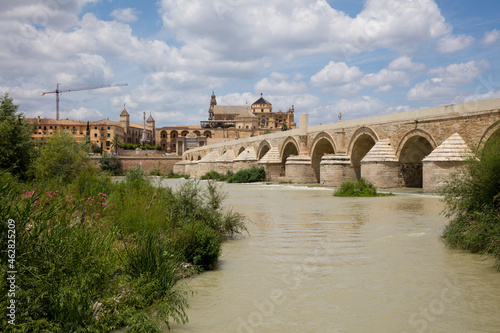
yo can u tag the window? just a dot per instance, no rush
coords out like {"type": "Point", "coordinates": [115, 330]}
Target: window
{"type": "Point", "coordinates": [102, 135]}
{"type": "Point", "coordinates": [109, 135]}
{"type": "Point", "coordinates": [261, 110]}
{"type": "Point", "coordinates": [108, 128]}
{"type": "Point", "coordinates": [50, 127]}
{"type": "Point", "coordinates": [44, 128]}
{"type": "Point", "coordinates": [95, 135]}
{"type": "Point", "coordinates": [95, 127]}
{"type": "Point", "coordinates": [108, 143]}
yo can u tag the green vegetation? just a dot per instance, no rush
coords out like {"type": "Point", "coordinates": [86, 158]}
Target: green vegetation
{"type": "Point", "coordinates": [17, 150]}
{"type": "Point", "coordinates": [361, 188]}
{"type": "Point", "coordinates": [93, 255]}
{"type": "Point", "coordinates": [131, 146]}
{"type": "Point", "coordinates": [214, 175]}
{"type": "Point", "coordinates": [112, 164]}
{"type": "Point", "coordinates": [254, 174]}
{"type": "Point", "coordinates": [473, 203]}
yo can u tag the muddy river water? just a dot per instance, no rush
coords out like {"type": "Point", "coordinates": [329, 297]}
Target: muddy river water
{"type": "Point", "coordinates": [317, 263]}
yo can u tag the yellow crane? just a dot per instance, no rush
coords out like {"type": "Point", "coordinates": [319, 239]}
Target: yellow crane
{"type": "Point", "coordinates": [58, 91]}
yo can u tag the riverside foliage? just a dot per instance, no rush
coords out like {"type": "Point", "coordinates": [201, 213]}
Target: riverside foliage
{"type": "Point", "coordinates": [472, 201]}
{"type": "Point", "coordinates": [360, 188]}
{"type": "Point", "coordinates": [93, 254]}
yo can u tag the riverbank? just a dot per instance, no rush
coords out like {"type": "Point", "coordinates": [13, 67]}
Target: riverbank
{"type": "Point", "coordinates": [99, 254]}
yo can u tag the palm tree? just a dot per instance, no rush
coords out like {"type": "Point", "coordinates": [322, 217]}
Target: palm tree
{"type": "Point", "coordinates": [115, 144]}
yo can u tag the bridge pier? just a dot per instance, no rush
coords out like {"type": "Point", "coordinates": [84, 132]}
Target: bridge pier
{"type": "Point", "coordinates": [336, 169]}
{"type": "Point", "coordinates": [446, 159]}
{"type": "Point", "coordinates": [299, 169]}
{"type": "Point", "coordinates": [245, 160]}
{"type": "Point", "coordinates": [181, 167]}
{"type": "Point", "coordinates": [380, 165]}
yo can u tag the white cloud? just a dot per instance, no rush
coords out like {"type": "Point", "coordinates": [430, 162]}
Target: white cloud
{"type": "Point", "coordinates": [126, 15]}
{"type": "Point", "coordinates": [82, 113]}
{"type": "Point", "coordinates": [450, 43]}
{"type": "Point", "coordinates": [284, 29]}
{"type": "Point", "coordinates": [491, 37]}
{"type": "Point", "coordinates": [279, 83]}
{"type": "Point", "coordinates": [446, 81]}
{"type": "Point", "coordinates": [337, 77]}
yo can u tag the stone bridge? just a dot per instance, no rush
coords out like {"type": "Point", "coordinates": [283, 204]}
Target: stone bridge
{"type": "Point", "coordinates": [416, 148]}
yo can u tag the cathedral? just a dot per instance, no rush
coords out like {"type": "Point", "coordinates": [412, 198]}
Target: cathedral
{"type": "Point", "coordinates": [259, 116]}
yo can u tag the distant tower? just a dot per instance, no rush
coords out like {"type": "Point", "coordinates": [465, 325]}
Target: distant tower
{"type": "Point", "coordinates": [213, 103]}
{"type": "Point", "coordinates": [125, 120]}
{"type": "Point", "coordinates": [151, 126]}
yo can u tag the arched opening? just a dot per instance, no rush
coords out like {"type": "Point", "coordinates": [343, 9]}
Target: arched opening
{"type": "Point", "coordinates": [242, 149]}
{"type": "Point", "coordinates": [263, 151]}
{"type": "Point", "coordinates": [199, 157]}
{"type": "Point", "coordinates": [197, 133]}
{"type": "Point", "coordinates": [184, 133]}
{"type": "Point", "coordinates": [207, 134]}
{"type": "Point", "coordinates": [322, 147]}
{"type": "Point", "coordinates": [163, 134]}
{"type": "Point", "coordinates": [290, 149]}
{"type": "Point", "coordinates": [174, 134]}
{"type": "Point", "coordinates": [410, 160]}
{"type": "Point", "coordinates": [360, 148]}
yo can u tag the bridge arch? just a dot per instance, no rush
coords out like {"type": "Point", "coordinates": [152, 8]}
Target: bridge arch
{"type": "Point", "coordinates": [289, 147]}
{"type": "Point", "coordinates": [491, 131]}
{"type": "Point", "coordinates": [363, 139]}
{"type": "Point", "coordinates": [264, 147]}
{"type": "Point", "coordinates": [242, 149]}
{"type": "Point", "coordinates": [323, 144]}
{"type": "Point", "coordinates": [412, 149]}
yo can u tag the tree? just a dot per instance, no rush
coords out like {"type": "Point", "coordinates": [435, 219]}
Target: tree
{"type": "Point", "coordinates": [112, 164]}
{"type": "Point", "coordinates": [60, 158]}
{"type": "Point", "coordinates": [87, 134]}
{"type": "Point", "coordinates": [115, 144]}
{"type": "Point", "coordinates": [284, 127]}
{"type": "Point", "coordinates": [16, 148]}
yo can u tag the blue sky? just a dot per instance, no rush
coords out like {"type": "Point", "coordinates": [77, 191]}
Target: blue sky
{"type": "Point", "coordinates": [361, 58]}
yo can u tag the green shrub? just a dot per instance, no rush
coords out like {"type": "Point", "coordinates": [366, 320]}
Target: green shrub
{"type": "Point", "coordinates": [254, 174]}
{"type": "Point", "coordinates": [472, 201]}
{"type": "Point", "coordinates": [199, 245]}
{"type": "Point", "coordinates": [213, 175]}
{"type": "Point", "coordinates": [112, 164]}
{"type": "Point", "coordinates": [361, 188]}
{"type": "Point", "coordinates": [136, 175]}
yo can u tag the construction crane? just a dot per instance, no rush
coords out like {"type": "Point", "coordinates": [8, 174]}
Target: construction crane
{"type": "Point", "coordinates": [57, 92]}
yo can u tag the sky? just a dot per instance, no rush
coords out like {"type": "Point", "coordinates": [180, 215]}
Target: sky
{"type": "Point", "coordinates": [360, 58]}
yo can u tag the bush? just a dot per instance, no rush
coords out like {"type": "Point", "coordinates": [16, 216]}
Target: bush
{"type": "Point", "coordinates": [472, 201]}
{"type": "Point", "coordinates": [199, 245]}
{"type": "Point", "coordinates": [112, 164]}
{"type": "Point", "coordinates": [60, 159]}
{"type": "Point", "coordinates": [136, 175]}
{"type": "Point", "coordinates": [213, 175]}
{"type": "Point", "coordinates": [254, 174]}
{"type": "Point", "coordinates": [361, 188]}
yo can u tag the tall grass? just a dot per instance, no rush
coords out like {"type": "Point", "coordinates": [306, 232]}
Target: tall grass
{"type": "Point", "coordinates": [95, 255]}
{"type": "Point", "coordinates": [472, 201]}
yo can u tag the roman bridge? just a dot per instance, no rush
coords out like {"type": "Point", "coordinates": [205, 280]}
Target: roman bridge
{"type": "Point", "coordinates": [416, 148]}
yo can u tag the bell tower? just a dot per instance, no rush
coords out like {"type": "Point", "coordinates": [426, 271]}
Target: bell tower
{"type": "Point", "coordinates": [213, 103]}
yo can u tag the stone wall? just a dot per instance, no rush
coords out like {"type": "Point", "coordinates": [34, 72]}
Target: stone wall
{"type": "Point", "coordinates": [148, 163]}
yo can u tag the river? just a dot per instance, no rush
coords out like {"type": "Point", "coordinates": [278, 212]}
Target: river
{"type": "Point", "coordinates": [318, 263]}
